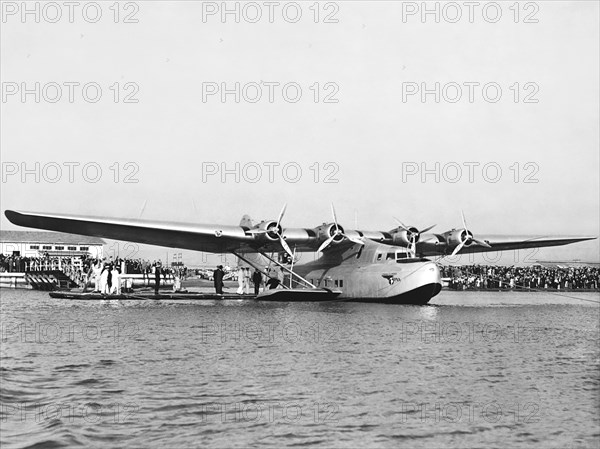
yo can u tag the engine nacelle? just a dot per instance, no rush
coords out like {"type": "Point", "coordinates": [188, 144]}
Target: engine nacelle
{"type": "Point", "coordinates": [271, 229]}
{"type": "Point", "coordinates": [457, 236]}
{"type": "Point", "coordinates": [405, 237]}
{"type": "Point", "coordinates": [329, 230]}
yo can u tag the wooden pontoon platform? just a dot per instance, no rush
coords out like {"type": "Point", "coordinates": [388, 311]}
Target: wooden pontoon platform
{"type": "Point", "coordinates": [284, 295]}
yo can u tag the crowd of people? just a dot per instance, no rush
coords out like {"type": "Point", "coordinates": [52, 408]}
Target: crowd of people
{"type": "Point", "coordinates": [104, 275]}
{"type": "Point", "coordinates": [536, 277]}
{"type": "Point", "coordinates": [20, 264]}
{"type": "Point", "coordinates": [15, 263]}
{"type": "Point", "coordinates": [145, 266]}
{"type": "Point", "coordinates": [245, 277]}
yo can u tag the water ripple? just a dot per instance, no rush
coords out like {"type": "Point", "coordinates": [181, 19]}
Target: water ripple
{"type": "Point", "coordinates": [141, 374]}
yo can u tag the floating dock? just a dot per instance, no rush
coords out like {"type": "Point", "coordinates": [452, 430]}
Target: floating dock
{"type": "Point", "coordinates": [285, 295]}
{"type": "Point", "coordinates": [95, 296]}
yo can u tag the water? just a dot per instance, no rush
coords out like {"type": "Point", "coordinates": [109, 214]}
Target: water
{"type": "Point", "coordinates": [474, 369]}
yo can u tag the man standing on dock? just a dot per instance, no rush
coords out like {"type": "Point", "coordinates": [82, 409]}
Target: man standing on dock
{"type": "Point", "coordinates": [218, 279]}
{"type": "Point", "coordinates": [156, 278]}
{"type": "Point", "coordinates": [257, 280]}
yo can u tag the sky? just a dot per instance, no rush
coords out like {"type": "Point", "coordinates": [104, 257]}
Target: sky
{"type": "Point", "coordinates": [175, 111]}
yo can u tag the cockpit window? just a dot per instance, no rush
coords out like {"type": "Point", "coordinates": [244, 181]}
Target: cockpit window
{"type": "Point", "coordinates": [379, 256]}
{"type": "Point", "coordinates": [412, 260]}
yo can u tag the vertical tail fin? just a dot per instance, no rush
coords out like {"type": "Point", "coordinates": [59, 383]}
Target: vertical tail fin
{"type": "Point", "coordinates": [246, 221]}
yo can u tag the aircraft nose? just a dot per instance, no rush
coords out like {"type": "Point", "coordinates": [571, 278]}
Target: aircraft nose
{"type": "Point", "coordinates": [433, 271]}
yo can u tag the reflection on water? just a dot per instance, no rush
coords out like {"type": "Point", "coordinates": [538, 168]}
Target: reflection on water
{"type": "Point", "coordinates": [470, 370]}
{"type": "Point", "coordinates": [428, 313]}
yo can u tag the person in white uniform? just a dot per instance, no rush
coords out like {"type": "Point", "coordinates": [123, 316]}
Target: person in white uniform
{"type": "Point", "coordinates": [116, 282]}
{"type": "Point", "coordinates": [247, 280]}
{"type": "Point", "coordinates": [240, 275]}
{"type": "Point", "coordinates": [96, 272]}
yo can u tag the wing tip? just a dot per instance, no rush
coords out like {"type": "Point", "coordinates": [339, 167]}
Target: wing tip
{"type": "Point", "coordinates": [11, 215]}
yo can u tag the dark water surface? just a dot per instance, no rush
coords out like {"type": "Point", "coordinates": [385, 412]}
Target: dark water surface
{"type": "Point", "coordinates": [472, 370]}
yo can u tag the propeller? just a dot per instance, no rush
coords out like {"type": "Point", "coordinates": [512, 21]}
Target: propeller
{"type": "Point", "coordinates": [338, 232]}
{"type": "Point", "coordinates": [276, 230]}
{"type": "Point", "coordinates": [468, 237]}
{"type": "Point", "coordinates": [413, 234]}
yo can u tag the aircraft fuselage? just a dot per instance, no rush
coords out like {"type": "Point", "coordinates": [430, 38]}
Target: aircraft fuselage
{"type": "Point", "coordinates": [374, 272]}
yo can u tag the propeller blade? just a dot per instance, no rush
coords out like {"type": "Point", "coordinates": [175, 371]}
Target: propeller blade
{"type": "Point", "coordinates": [402, 225]}
{"type": "Point", "coordinates": [482, 243]}
{"type": "Point", "coordinates": [334, 217]}
{"type": "Point", "coordinates": [285, 246]}
{"type": "Point", "coordinates": [356, 240]}
{"type": "Point", "coordinates": [281, 214]}
{"type": "Point", "coordinates": [427, 229]}
{"type": "Point", "coordinates": [325, 244]}
{"type": "Point", "coordinates": [464, 222]}
{"type": "Point", "coordinates": [458, 248]}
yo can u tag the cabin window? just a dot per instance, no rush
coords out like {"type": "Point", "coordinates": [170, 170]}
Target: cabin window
{"type": "Point", "coordinates": [34, 246]}
{"type": "Point", "coordinates": [72, 248]}
{"type": "Point", "coordinates": [60, 248]}
{"type": "Point", "coordinates": [84, 248]}
{"type": "Point", "coordinates": [379, 256]}
{"type": "Point", "coordinates": [46, 247]}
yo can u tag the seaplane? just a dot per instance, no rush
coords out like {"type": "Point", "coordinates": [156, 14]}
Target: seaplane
{"type": "Point", "coordinates": [391, 266]}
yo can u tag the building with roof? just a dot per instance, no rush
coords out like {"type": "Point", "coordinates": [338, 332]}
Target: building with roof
{"type": "Point", "coordinates": [54, 244]}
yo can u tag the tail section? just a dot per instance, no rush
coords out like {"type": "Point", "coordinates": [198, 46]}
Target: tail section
{"type": "Point", "coordinates": [246, 221]}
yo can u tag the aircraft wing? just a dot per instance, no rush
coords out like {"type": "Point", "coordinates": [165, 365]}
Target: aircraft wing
{"type": "Point", "coordinates": [226, 238]}
{"type": "Point", "coordinates": [501, 243]}
{"type": "Point", "coordinates": [205, 237]}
